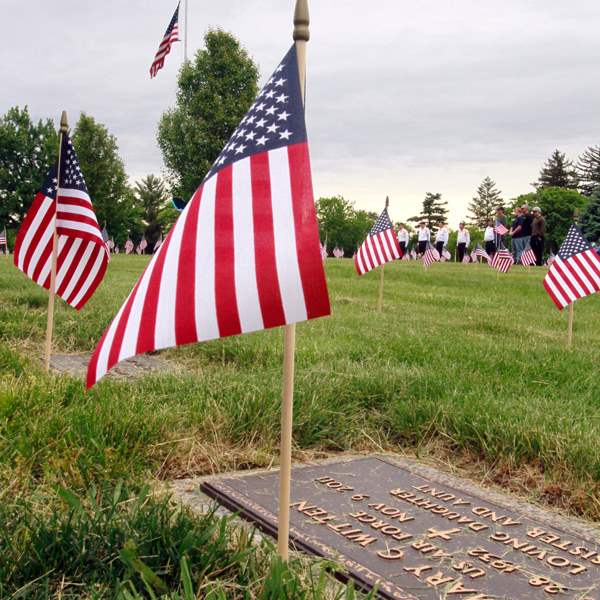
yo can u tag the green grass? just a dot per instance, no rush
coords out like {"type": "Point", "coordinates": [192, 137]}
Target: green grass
{"type": "Point", "coordinates": [462, 364]}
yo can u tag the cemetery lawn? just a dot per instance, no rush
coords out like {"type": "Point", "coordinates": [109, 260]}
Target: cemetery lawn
{"type": "Point", "coordinates": [464, 367]}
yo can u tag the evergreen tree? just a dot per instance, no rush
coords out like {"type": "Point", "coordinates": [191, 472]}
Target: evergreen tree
{"type": "Point", "coordinates": [27, 150]}
{"type": "Point", "coordinates": [104, 173]}
{"type": "Point", "coordinates": [156, 211]}
{"type": "Point", "coordinates": [215, 90]}
{"type": "Point", "coordinates": [483, 206]}
{"type": "Point", "coordinates": [557, 172]}
{"type": "Point", "coordinates": [590, 218]}
{"type": "Point", "coordinates": [588, 170]}
{"type": "Point", "coordinates": [434, 211]}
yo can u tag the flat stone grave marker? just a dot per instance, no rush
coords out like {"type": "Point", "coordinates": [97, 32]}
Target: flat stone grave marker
{"type": "Point", "coordinates": [415, 537]}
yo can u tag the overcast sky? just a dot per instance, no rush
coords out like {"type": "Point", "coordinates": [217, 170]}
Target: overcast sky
{"type": "Point", "coordinates": [403, 98]}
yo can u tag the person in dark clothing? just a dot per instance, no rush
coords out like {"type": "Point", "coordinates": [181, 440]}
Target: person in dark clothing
{"type": "Point", "coordinates": [516, 232]}
{"type": "Point", "coordinates": [538, 233]}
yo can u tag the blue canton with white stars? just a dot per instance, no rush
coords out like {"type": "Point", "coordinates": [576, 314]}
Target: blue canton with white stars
{"type": "Point", "coordinates": [275, 120]}
{"type": "Point", "coordinates": [574, 243]}
{"type": "Point", "coordinates": [70, 172]}
{"type": "Point", "coordinates": [382, 223]}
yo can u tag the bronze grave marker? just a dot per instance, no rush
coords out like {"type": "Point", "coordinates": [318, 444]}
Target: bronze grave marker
{"type": "Point", "coordinates": [416, 538]}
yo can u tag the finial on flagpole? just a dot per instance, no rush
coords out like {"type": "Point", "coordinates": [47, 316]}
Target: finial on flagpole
{"type": "Point", "coordinates": [301, 21]}
{"type": "Point", "coordinates": [64, 124]}
{"type": "Point", "coordinates": [387, 201]}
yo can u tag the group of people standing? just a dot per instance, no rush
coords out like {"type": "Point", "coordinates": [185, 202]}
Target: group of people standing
{"type": "Point", "coordinates": [528, 229]}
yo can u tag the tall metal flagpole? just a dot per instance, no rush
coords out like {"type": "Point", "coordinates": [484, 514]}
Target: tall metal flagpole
{"type": "Point", "coordinates": [185, 31]}
{"type": "Point", "coordinates": [50, 325]}
{"type": "Point", "coordinates": [301, 36]}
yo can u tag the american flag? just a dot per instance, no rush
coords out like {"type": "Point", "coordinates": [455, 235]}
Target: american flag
{"type": "Point", "coordinates": [502, 260]}
{"type": "Point", "coordinates": [323, 251]}
{"type": "Point", "coordinates": [158, 243]}
{"type": "Point", "coordinates": [82, 254]}
{"type": "Point", "coordinates": [466, 259]}
{"type": "Point", "coordinates": [380, 247]}
{"type": "Point", "coordinates": [406, 256]}
{"type": "Point", "coordinates": [446, 254]}
{"type": "Point", "coordinates": [479, 251]}
{"type": "Point", "coordinates": [3, 237]}
{"type": "Point", "coordinates": [550, 259]}
{"type": "Point", "coordinates": [528, 258]}
{"type": "Point", "coordinates": [500, 229]}
{"type": "Point", "coordinates": [171, 35]}
{"type": "Point", "coordinates": [574, 272]}
{"type": "Point", "coordinates": [244, 254]}
{"type": "Point", "coordinates": [129, 246]}
{"type": "Point", "coordinates": [430, 256]}
{"type": "Point", "coordinates": [338, 252]}
{"type": "Point", "coordinates": [413, 254]}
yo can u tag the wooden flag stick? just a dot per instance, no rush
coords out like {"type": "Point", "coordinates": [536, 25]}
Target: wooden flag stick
{"type": "Point", "coordinates": [50, 325]}
{"type": "Point", "coordinates": [301, 36]}
{"type": "Point", "coordinates": [380, 300]}
{"type": "Point", "coordinates": [570, 327]}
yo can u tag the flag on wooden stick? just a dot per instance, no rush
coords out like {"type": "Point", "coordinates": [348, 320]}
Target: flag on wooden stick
{"type": "Point", "coordinates": [575, 271]}
{"type": "Point", "coordinates": [430, 256]}
{"type": "Point", "coordinates": [502, 261]}
{"type": "Point", "coordinates": [380, 246]}
{"type": "Point", "coordinates": [528, 258]}
{"type": "Point", "coordinates": [480, 252]}
{"type": "Point", "coordinates": [82, 254]}
{"type": "Point", "coordinates": [244, 254]}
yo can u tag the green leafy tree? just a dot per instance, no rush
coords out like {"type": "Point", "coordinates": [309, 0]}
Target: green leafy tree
{"type": "Point", "coordinates": [557, 171]}
{"type": "Point", "coordinates": [483, 207]}
{"type": "Point", "coordinates": [434, 211]}
{"type": "Point", "coordinates": [215, 89]}
{"type": "Point", "coordinates": [588, 170]}
{"type": "Point", "coordinates": [590, 218]}
{"type": "Point", "coordinates": [104, 172]}
{"type": "Point", "coordinates": [27, 151]}
{"type": "Point", "coordinates": [157, 214]}
{"type": "Point", "coordinates": [341, 225]}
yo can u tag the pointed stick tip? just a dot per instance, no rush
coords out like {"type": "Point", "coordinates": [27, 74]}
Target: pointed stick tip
{"type": "Point", "coordinates": [301, 21]}
{"type": "Point", "coordinates": [64, 124]}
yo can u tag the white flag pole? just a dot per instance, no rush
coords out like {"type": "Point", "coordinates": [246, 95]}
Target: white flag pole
{"type": "Point", "coordinates": [382, 272]}
{"type": "Point", "coordinates": [301, 36]}
{"type": "Point", "coordinates": [185, 31]}
{"type": "Point", "coordinates": [570, 326]}
{"type": "Point", "coordinates": [50, 324]}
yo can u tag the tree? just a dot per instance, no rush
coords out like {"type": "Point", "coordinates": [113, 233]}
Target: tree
{"type": "Point", "coordinates": [341, 224]}
{"type": "Point", "coordinates": [27, 151]}
{"type": "Point", "coordinates": [588, 170]}
{"type": "Point", "coordinates": [157, 214]}
{"type": "Point", "coordinates": [215, 90]}
{"type": "Point", "coordinates": [104, 173]}
{"type": "Point", "coordinates": [557, 172]}
{"type": "Point", "coordinates": [590, 218]}
{"type": "Point", "coordinates": [434, 211]}
{"type": "Point", "coordinates": [483, 206]}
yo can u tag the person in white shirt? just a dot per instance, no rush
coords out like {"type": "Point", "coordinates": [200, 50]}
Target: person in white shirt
{"type": "Point", "coordinates": [441, 239]}
{"type": "Point", "coordinates": [423, 237]}
{"type": "Point", "coordinates": [463, 240]}
{"type": "Point", "coordinates": [403, 238]}
{"type": "Point", "coordinates": [489, 237]}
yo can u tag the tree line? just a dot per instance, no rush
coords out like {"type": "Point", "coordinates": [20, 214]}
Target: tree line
{"type": "Point", "coordinates": [214, 91]}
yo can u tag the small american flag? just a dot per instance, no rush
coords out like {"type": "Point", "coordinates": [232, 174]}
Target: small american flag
{"type": "Point", "coordinates": [430, 256]}
{"type": "Point", "coordinates": [413, 254]}
{"type": "Point", "coordinates": [3, 237]}
{"type": "Point", "coordinates": [479, 251]}
{"type": "Point", "coordinates": [323, 252]}
{"type": "Point", "coordinates": [500, 229]}
{"type": "Point", "coordinates": [466, 259]}
{"type": "Point", "coordinates": [550, 260]}
{"type": "Point", "coordinates": [129, 246]}
{"type": "Point", "coordinates": [158, 243]}
{"type": "Point", "coordinates": [528, 258]}
{"type": "Point", "coordinates": [338, 252]}
{"type": "Point", "coordinates": [143, 244]}
{"type": "Point", "coordinates": [446, 254]}
{"type": "Point", "coordinates": [171, 35]}
{"type": "Point", "coordinates": [82, 254]}
{"type": "Point", "coordinates": [244, 253]}
{"type": "Point", "coordinates": [380, 247]}
{"type": "Point", "coordinates": [575, 271]}
{"type": "Point", "coordinates": [502, 261]}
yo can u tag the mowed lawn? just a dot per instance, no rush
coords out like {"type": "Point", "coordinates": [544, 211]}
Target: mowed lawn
{"type": "Point", "coordinates": [463, 366]}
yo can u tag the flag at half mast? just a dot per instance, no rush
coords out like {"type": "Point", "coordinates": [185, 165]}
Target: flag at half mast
{"type": "Point", "coordinates": [244, 254]}
{"type": "Point", "coordinates": [380, 246]}
{"type": "Point", "coordinates": [171, 35]}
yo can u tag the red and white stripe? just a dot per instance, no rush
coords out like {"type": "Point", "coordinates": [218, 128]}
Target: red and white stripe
{"type": "Point", "coordinates": [377, 250]}
{"type": "Point", "coordinates": [502, 261]}
{"type": "Point", "coordinates": [528, 258]}
{"type": "Point", "coordinates": [576, 277]}
{"type": "Point", "coordinates": [430, 256]}
{"type": "Point", "coordinates": [171, 35]}
{"type": "Point", "coordinates": [500, 229]}
{"type": "Point", "coordinates": [244, 255]}
{"type": "Point", "coordinates": [82, 254]}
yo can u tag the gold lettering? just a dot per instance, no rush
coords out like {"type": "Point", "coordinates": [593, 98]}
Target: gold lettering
{"type": "Point", "coordinates": [445, 535]}
{"type": "Point", "coordinates": [339, 527]}
{"type": "Point", "coordinates": [467, 568]}
{"type": "Point", "coordinates": [416, 571]}
{"type": "Point", "coordinates": [558, 561]}
{"type": "Point", "coordinates": [391, 554]}
{"type": "Point", "coordinates": [459, 588]}
{"type": "Point", "coordinates": [438, 579]}
{"type": "Point", "coordinates": [362, 539]}
{"type": "Point", "coordinates": [477, 527]}
{"type": "Point", "coordinates": [315, 512]}
{"type": "Point", "coordinates": [402, 536]}
{"type": "Point", "coordinates": [301, 506]}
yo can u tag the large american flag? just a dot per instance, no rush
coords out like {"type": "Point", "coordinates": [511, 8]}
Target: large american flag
{"type": "Point", "coordinates": [502, 261]}
{"type": "Point", "coordinates": [575, 271]}
{"type": "Point", "coordinates": [82, 254]}
{"type": "Point", "coordinates": [380, 246]}
{"type": "Point", "coordinates": [171, 35]}
{"type": "Point", "coordinates": [244, 254]}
